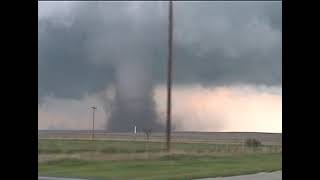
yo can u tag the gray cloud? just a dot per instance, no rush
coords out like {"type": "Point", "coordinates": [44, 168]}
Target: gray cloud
{"type": "Point", "coordinates": [225, 42]}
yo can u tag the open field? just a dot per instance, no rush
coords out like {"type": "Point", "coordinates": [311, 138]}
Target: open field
{"type": "Point", "coordinates": [206, 137]}
{"type": "Point", "coordinates": [135, 159]}
{"type": "Point", "coordinates": [113, 150]}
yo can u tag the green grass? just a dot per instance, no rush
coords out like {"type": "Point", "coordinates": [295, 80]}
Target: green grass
{"type": "Point", "coordinates": [181, 167]}
{"type": "Point", "coordinates": [47, 146]}
{"type": "Point", "coordinates": [188, 160]}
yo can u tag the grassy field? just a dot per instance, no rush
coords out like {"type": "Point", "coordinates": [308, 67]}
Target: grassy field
{"type": "Point", "coordinates": [204, 137]}
{"type": "Point", "coordinates": [140, 160]}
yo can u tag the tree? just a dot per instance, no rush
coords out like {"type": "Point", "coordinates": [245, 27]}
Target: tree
{"type": "Point", "coordinates": [252, 143]}
{"type": "Point", "coordinates": [147, 132]}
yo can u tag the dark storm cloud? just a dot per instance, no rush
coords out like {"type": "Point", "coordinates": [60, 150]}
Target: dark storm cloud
{"type": "Point", "coordinates": [125, 44]}
{"type": "Point", "coordinates": [64, 69]}
{"type": "Point", "coordinates": [215, 43]}
{"type": "Point", "coordinates": [225, 43]}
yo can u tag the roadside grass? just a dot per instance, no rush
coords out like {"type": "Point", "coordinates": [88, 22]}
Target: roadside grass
{"type": "Point", "coordinates": [168, 167]}
{"type": "Point", "coordinates": [119, 160]}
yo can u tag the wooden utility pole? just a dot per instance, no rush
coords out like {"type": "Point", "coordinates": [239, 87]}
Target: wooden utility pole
{"type": "Point", "coordinates": [93, 110]}
{"type": "Point", "coordinates": [170, 29]}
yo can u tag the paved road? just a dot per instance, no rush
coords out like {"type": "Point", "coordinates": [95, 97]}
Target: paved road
{"type": "Point", "coordinates": [54, 178]}
{"type": "Point", "coordinates": [260, 176]}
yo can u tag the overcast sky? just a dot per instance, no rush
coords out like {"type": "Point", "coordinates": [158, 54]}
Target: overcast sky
{"type": "Point", "coordinates": [88, 48]}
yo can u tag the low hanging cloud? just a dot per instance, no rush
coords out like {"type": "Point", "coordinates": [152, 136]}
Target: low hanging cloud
{"type": "Point", "coordinates": [194, 108]}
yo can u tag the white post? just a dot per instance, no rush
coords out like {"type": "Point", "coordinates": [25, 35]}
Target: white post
{"type": "Point", "coordinates": [135, 129]}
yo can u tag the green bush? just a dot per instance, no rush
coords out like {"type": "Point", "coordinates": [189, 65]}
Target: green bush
{"type": "Point", "coordinates": [252, 143]}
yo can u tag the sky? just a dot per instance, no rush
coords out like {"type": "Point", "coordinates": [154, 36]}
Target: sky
{"type": "Point", "coordinates": [227, 65]}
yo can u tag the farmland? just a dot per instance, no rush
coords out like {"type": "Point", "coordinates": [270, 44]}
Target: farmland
{"type": "Point", "coordinates": [206, 137]}
{"type": "Point", "coordinates": [123, 156]}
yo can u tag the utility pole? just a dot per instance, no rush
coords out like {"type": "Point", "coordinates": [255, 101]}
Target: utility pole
{"type": "Point", "coordinates": [93, 110]}
{"type": "Point", "coordinates": [170, 29]}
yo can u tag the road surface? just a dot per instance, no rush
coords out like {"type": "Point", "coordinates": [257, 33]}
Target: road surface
{"type": "Point", "coordinates": [260, 176]}
{"type": "Point", "coordinates": [54, 178]}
